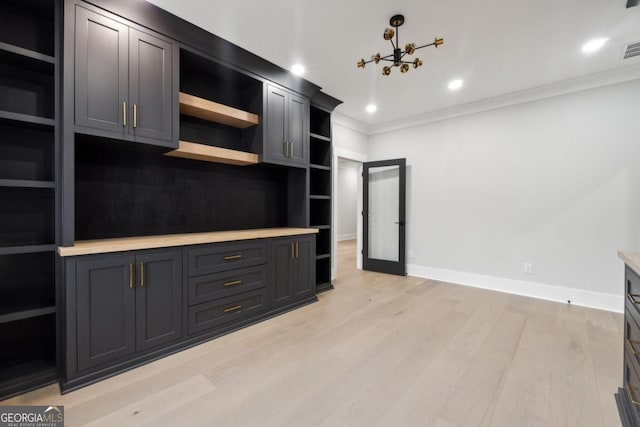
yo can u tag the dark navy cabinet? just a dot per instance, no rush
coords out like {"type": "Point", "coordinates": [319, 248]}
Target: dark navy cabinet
{"type": "Point", "coordinates": [287, 128]}
{"type": "Point", "coordinates": [123, 81]}
{"type": "Point", "coordinates": [126, 304]}
{"type": "Point", "coordinates": [292, 270]}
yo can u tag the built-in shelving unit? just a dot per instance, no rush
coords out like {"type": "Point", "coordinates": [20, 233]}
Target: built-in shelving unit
{"type": "Point", "coordinates": [27, 194]}
{"type": "Point", "coordinates": [320, 192]}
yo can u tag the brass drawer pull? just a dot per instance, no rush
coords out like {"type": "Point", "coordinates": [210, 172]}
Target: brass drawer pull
{"type": "Point", "coordinates": [297, 250]}
{"type": "Point", "coordinates": [286, 149]}
{"type": "Point", "coordinates": [231, 309]}
{"type": "Point", "coordinates": [293, 251]}
{"type": "Point", "coordinates": [130, 276]}
{"type": "Point", "coordinates": [135, 116]}
{"type": "Point", "coordinates": [291, 150]}
{"type": "Point", "coordinates": [124, 114]}
{"type": "Point", "coordinates": [634, 298]}
{"type": "Point", "coordinates": [234, 283]}
{"type": "Point", "coordinates": [230, 257]}
{"type": "Point", "coordinates": [632, 347]}
{"type": "Point", "coordinates": [142, 274]}
{"type": "Point", "coordinates": [631, 396]}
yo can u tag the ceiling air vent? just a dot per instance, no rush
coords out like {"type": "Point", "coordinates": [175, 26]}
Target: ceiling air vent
{"type": "Point", "coordinates": [631, 50]}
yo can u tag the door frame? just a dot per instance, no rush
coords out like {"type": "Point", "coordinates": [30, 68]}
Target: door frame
{"type": "Point", "coordinates": [384, 266]}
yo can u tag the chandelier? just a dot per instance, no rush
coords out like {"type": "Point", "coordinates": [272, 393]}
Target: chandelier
{"type": "Point", "coordinates": [397, 57]}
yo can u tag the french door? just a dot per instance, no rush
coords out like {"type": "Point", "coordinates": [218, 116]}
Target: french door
{"type": "Point", "coordinates": [384, 186]}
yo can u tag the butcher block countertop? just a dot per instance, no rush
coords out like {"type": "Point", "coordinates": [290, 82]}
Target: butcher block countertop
{"type": "Point", "coordinates": [632, 259]}
{"type": "Point", "coordinates": [89, 247]}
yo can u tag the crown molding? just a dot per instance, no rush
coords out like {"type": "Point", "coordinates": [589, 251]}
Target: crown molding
{"type": "Point", "coordinates": [348, 122]}
{"type": "Point", "coordinates": [591, 81]}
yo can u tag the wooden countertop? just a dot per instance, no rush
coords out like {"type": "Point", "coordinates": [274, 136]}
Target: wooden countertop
{"type": "Point", "coordinates": [88, 247]}
{"type": "Point", "coordinates": [632, 259]}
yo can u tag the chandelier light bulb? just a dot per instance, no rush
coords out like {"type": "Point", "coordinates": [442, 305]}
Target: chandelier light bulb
{"type": "Point", "coordinates": [389, 33]}
{"type": "Point", "coordinates": [417, 63]}
{"type": "Point", "coordinates": [361, 63]}
{"type": "Point", "coordinates": [386, 71]}
{"type": "Point", "coordinates": [410, 48]}
{"type": "Point", "coordinates": [404, 68]}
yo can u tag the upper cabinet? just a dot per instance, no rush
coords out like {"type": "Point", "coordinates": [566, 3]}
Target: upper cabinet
{"type": "Point", "coordinates": [287, 128]}
{"type": "Point", "coordinates": [124, 84]}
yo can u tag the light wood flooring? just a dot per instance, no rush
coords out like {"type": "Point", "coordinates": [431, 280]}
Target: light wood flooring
{"type": "Point", "coordinates": [378, 350]}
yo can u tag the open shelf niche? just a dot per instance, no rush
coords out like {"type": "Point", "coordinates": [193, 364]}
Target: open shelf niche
{"type": "Point", "coordinates": [27, 194]}
{"type": "Point", "coordinates": [220, 112]}
{"type": "Point", "coordinates": [320, 192]}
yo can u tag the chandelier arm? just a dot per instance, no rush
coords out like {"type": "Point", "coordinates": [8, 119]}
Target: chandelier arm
{"type": "Point", "coordinates": [386, 56]}
{"type": "Point", "coordinates": [388, 60]}
{"type": "Point", "coordinates": [426, 45]}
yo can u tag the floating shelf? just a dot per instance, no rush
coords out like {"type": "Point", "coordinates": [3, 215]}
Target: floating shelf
{"type": "Point", "coordinates": [212, 111]}
{"type": "Point", "coordinates": [317, 197]}
{"type": "Point", "coordinates": [207, 153]}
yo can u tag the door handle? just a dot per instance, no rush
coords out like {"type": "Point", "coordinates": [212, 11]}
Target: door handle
{"type": "Point", "coordinates": [130, 276]}
{"type": "Point", "coordinates": [297, 250]}
{"type": "Point", "coordinates": [291, 150]}
{"type": "Point", "coordinates": [286, 149]}
{"type": "Point", "coordinates": [292, 251]}
{"type": "Point", "coordinates": [124, 114]}
{"type": "Point", "coordinates": [399, 222]}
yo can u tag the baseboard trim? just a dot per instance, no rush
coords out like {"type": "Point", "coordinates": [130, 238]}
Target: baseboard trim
{"type": "Point", "coordinates": [598, 300]}
{"type": "Point", "coordinates": [343, 237]}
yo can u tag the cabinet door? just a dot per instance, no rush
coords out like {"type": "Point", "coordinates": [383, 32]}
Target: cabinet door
{"type": "Point", "coordinates": [150, 86]}
{"type": "Point", "coordinates": [277, 126]}
{"type": "Point", "coordinates": [158, 299]}
{"type": "Point", "coordinates": [298, 134]}
{"type": "Point", "coordinates": [304, 284]}
{"type": "Point", "coordinates": [101, 77]}
{"type": "Point", "coordinates": [281, 257]}
{"type": "Point", "coordinates": [105, 321]}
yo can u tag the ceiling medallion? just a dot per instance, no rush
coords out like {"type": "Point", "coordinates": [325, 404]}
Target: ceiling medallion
{"type": "Point", "coordinates": [396, 58]}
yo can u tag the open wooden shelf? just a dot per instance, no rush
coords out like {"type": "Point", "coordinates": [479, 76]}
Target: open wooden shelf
{"type": "Point", "coordinates": [212, 111]}
{"type": "Point", "coordinates": [207, 153]}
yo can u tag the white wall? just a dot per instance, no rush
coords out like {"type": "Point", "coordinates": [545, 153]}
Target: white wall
{"type": "Point", "coordinates": [554, 182]}
{"type": "Point", "coordinates": [347, 200]}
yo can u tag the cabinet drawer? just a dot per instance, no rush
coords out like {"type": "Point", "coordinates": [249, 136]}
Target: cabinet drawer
{"type": "Point", "coordinates": [631, 338]}
{"type": "Point", "coordinates": [226, 311]}
{"type": "Point", "coordinates": [222, 257]}
{"type": "Point", "coordinates": [632, 292]}
{"type": "Point", "coordinates": [632, 389]}
{"type": "Point", "coordinates": [226, 283]}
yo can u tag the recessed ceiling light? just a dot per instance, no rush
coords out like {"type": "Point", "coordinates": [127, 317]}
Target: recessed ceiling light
{"type": "Point", "coordinates": [372, 108]}
{"type": "Point", "coordinates": [593, 45]}
{"type": "Point", "coordinates": [456, 84]}
{"type": "Point", "coordinates": [298, 69]}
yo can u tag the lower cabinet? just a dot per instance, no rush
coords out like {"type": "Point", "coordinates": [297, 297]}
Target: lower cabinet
{"type": "Point", "coordinates": [124, 309]}
{"type": "Point", "coordinates": [127, 304]}
{"type": "Point", "coordinates": [292, 275]}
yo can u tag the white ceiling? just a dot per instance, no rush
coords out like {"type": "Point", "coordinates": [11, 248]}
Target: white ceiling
{"type": "Point", "coordinates": [497, 46]}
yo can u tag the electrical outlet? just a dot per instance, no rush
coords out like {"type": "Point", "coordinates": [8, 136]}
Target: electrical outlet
{"type": "Point", "coordinates": [410, 253]}
{"type": "Point", "coordinates": [527, 268]}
